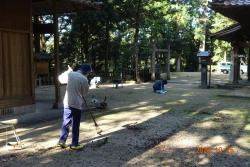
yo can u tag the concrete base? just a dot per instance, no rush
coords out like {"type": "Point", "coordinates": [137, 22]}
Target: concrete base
{"type": "Point", "coordinates": [203, 86]}
{"type": "Point", "coordinates": [20, 110]}
{"type": "Point", "coordinates": [57, 105]}
{"type": "Point", "coordinates": [24, 109]}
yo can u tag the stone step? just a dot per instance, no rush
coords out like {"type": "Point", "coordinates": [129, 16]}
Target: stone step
{"type": "Point", "coordinates": [227, 86]}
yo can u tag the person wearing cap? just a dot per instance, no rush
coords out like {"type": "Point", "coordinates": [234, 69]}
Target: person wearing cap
{"type": "Point", "coordinates": [159, 86]}
{"type": "Point", "coordinates": [77, 88]}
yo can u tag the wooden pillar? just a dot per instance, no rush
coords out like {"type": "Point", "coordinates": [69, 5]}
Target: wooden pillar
{"type": "Point", "coordinates": [153, 63]}
{"type": "Point", "coordinates": [31, 55]}
{"type": "Point", "coordinates": [236, 72]}
{"type": "Point", "coordinates": [56, 55]}
{"type": "Point", "coordinates": [37, 36]}
{"type": "Point", "coordinates": [37, 48]}
{"type": "Point", "coordinates": [168, 62]}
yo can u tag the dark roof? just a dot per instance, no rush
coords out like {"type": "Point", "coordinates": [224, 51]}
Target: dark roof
{"type": "Point", "coordinates": [229, 2]}
{"type": "Point", "coordinates": [43, 56]}
{"type": "Point", "coordinates": [235, 32]}
{"type": "Point", "coordinates": [227, 33]}
{"type": "Point", "coordinates": [238, 10]}
{"type": "Point", "coordinates": [45, 7]}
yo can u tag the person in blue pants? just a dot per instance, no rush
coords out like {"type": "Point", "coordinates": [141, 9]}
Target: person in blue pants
{"type": "Point", "coordinates": [159, 86]}
{"type": "Point", "coordinates": [77, 88]}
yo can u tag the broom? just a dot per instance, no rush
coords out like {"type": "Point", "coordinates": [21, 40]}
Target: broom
{"type": "Point", "coordinates": [98, 129]}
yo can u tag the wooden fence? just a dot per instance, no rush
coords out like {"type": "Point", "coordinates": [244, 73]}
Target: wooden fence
{"type": "Point", "coordinates": [42, 80]}
{"type": "Point", "coordinates": [145, 75]}
{"type": "Point", "coordinates": [105, 76]}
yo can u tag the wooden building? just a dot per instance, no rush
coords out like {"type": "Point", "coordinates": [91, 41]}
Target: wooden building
{"type": "Point", "coordinates": [17, 88]}
{"type": "Point", "coordinates": [42, 69]}
{"type": "Point", "coordinates": [238, 34]}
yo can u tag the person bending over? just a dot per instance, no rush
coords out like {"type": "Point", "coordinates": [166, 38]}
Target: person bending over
{"type": "Point", "coordinates": [159, 86]}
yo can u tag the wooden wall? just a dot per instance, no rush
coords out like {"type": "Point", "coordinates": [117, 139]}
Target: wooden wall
{"type": "Point", "coordinates": [15, 14]}
{"type": "Point", "coordinates": [16, 55]}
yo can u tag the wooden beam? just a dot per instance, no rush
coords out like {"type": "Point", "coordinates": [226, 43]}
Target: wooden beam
{"type": "Point", "coordinates": [235, 67]}
{"type": "Point", "coordinates": [1, 66]}
{"type": "Point", "coordinates": [56, 55]}
{"type": "Point", "coordinates": [43, 28]}
{"type": "Point", "coordinates": [36, 36]}
{"type": "Point", "coordinates": [244, 44]}
{"type": "Point", "coordinates": [37, 1]}
{"type": "Point", "coordinates": [160, 50]}
{"type": "Point", "coordinates": [31, 55]}
{"type": "Point", "coordinates": [11, 30]}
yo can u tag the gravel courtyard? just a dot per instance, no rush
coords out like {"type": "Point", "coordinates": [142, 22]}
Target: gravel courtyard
{"type": "Point", "coordinates": [187, 126]}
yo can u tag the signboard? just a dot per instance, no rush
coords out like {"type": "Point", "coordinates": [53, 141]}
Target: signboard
{"type": "Point", "coordinates": [42, 67]}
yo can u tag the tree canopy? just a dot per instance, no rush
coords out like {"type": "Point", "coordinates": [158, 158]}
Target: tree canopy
{"type": "Point", "coordinates": [120, 34]}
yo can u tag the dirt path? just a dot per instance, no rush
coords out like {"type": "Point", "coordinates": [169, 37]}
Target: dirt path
{"type": "Point", "coordinates": [142, 128]}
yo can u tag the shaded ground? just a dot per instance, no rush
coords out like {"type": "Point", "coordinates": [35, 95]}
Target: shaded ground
{"type": "Point", "coordinates": [187, 126]}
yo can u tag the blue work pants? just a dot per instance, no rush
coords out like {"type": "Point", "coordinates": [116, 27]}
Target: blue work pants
{"type": "Point", "coordinates": [71, 117]}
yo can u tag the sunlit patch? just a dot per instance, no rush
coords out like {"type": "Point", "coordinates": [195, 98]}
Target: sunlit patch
{"type": "Point", "coordinates": [206, 125]}
{"type": "Point", "coordinates": [244, 141]}
{"type": "Point", "coordinates": [46, 160]}
{"type": "Point", "coordinates": [150, 109]}
{"type": "Point", "coordinates": [180, 142]}
{"type": "Point", "coordinates": [142, 108]}
{"type": "Point", "coordinates": [138, 88]}
{"type": "Point", "coordinates": [182, 101]}
{"type": "Point", "coordinates": [247, 127]}
{"type": "Point", "coordinates": [111, 86]}
{"type": "Point", "coordinates": [178, 102]}
{"type": "Point", "coordinates": [226, 111]}
{"type": "Point", "coordinates": [212, 104]}
{"type": "Point", "coordinates": [144, 103]}
{"type": "Point", "coordinates": [234, 112]}
{"type": "Point", "coordinates": [204, 161]}
{"type": "Point", "coordinates": [188, 94]}
{"type": "Point", "coordinates": [218, 140]}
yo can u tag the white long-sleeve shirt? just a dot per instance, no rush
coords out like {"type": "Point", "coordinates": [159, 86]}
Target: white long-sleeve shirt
{"type": "Point", "coordinates": [77, 88]}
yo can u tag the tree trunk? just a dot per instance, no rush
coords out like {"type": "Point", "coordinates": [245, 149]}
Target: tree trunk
{"type": "Point", "coordinates": [178, 64]}
{"type": "Point", "coordinates": [202, 46]}
{"type": "Point", "coordinates": [85, 55]}
{"type": "Point", "coordinates": [137, 25]}
{"type": "Point", "coordinates": [225, 56]}
{"type": "Point", "coordinates": [106, 46]}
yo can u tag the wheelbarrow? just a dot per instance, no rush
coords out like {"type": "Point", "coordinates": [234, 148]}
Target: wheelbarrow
{"type": "Point", "coordinates": [116, 82]}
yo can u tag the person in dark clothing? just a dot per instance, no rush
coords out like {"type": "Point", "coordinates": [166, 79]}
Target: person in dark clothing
{"type": "Point", "coordinates": [159, 86]}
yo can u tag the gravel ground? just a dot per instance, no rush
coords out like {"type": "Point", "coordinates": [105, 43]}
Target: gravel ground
{"type": "Point", "coordinates": [187, 126]}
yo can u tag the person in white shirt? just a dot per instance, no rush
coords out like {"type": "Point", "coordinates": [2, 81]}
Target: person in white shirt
{"type": "Point", "coordinates": [77, 88]}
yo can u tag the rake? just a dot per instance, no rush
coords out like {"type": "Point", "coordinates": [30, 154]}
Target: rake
{"type": "Point", "coordinates": [98, 129]}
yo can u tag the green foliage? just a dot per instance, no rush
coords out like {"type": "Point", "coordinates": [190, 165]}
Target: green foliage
{"type": "Point", "coordinates": [122, 32]}
{"type": "Point", "coordinates": [222, 49]}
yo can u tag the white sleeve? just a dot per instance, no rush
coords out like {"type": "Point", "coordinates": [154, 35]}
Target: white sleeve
{"type": "Point", "coordinates": [63, 78]}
